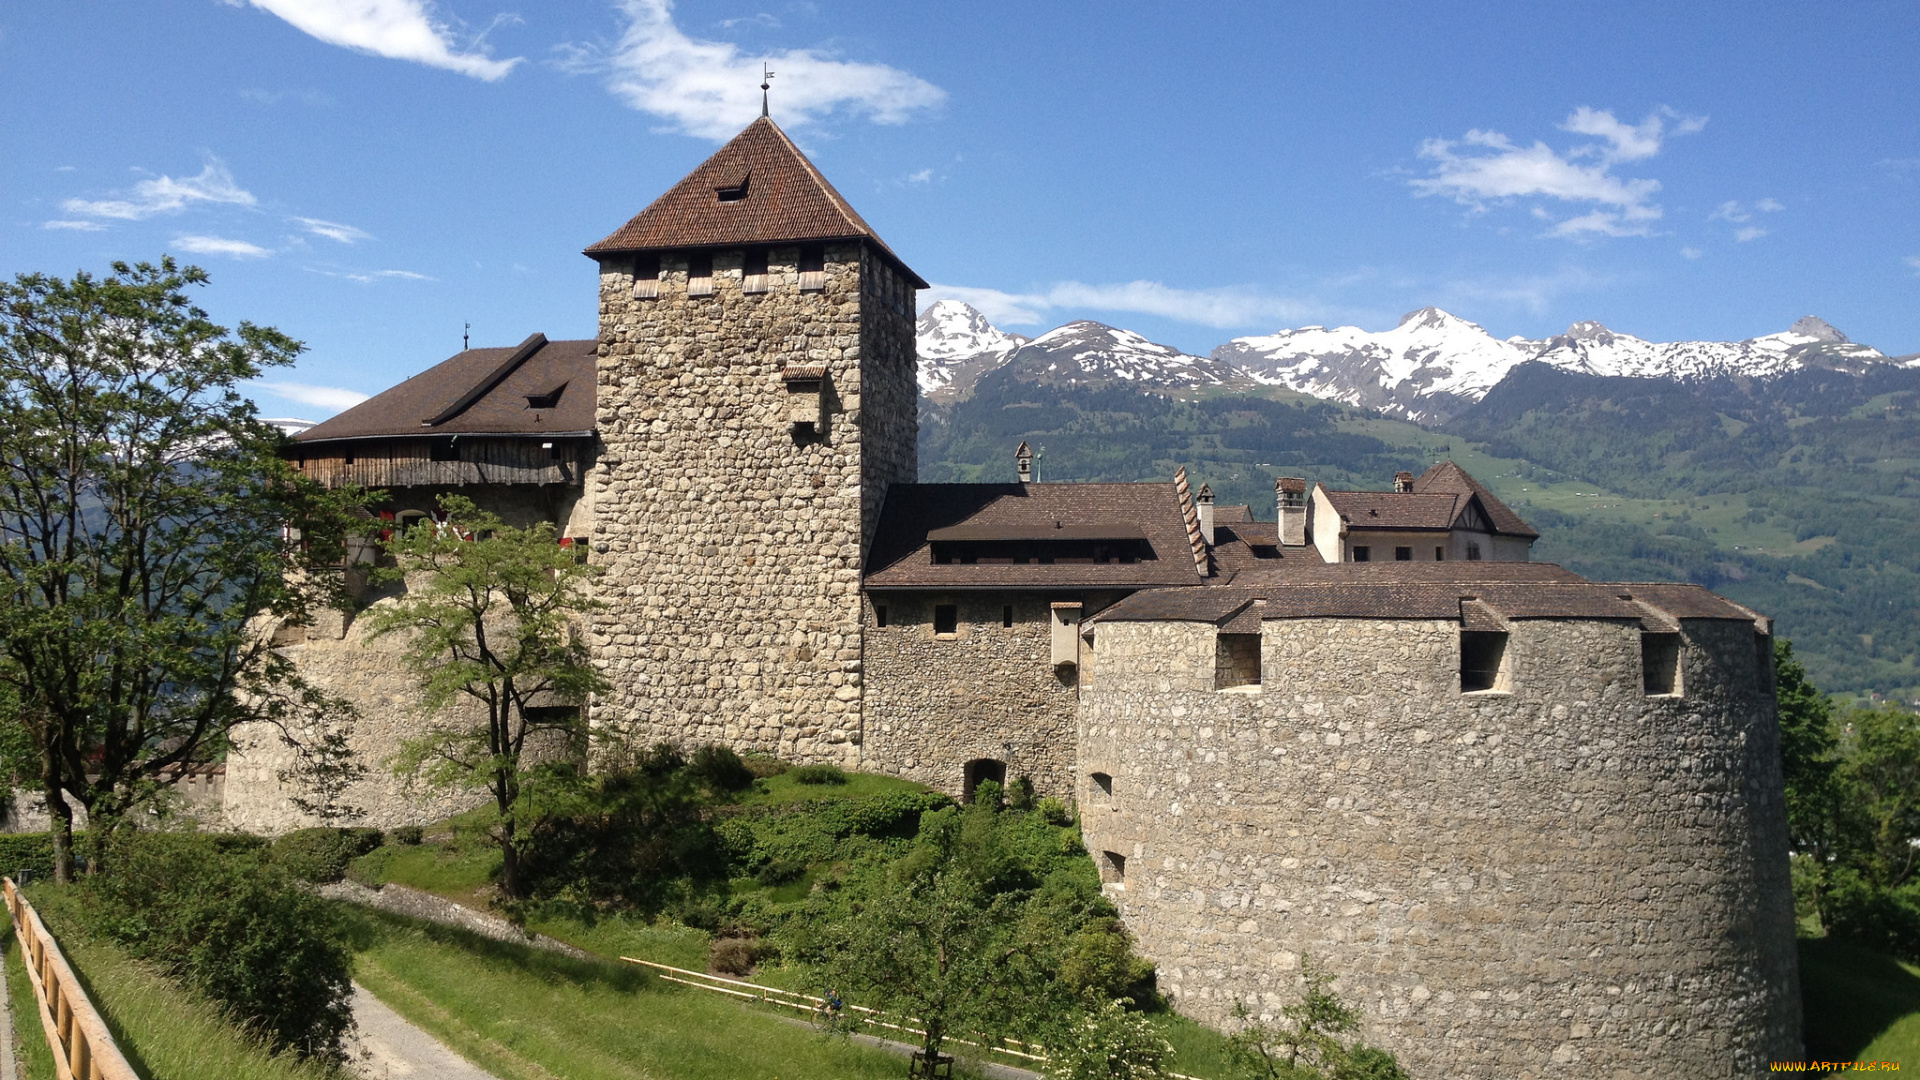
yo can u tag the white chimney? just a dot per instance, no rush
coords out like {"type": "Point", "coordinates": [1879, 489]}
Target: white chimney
{"type": "Point", "coordinates": [1203, 502]}
{"type": "Point", "coordinates": [1291, 492]}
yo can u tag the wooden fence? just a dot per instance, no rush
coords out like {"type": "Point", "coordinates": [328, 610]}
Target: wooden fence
{"type": "Point", "coordinates": [83, 1048]}
{"type": "Point", "coordinates": [807, 1004]}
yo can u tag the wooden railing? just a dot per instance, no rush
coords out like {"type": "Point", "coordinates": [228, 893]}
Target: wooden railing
{"type": "Point", "coordinates": [83, 1048]}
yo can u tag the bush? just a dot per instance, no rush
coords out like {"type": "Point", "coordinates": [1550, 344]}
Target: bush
{"type": "Point", "coordinates": [1020, 793]}
{"type": "Point", "coordinates": [764, 765]}
{"type": "Point", "coordinates": [31, 853]}
{"type": "Point", "coordinates": [638, 838]}
{"type": "Point", "coordinates": [407, 835]}
{"type": "Point", "coordinates": [232, 924]}
{"type": "Point", "coordinates": [819, 774]}
{"type": "Point", "coordinates": [732, 956]}
{"type": "Point", "coordinates": [721, 768]}
{"type": "Point", "coordinates": [321, 855]}
{"type": "Point", "coordinates": [1875, 917]}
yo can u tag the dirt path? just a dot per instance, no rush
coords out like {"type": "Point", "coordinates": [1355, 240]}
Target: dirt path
{"type": "Point", "coordinates": [387, 1047]}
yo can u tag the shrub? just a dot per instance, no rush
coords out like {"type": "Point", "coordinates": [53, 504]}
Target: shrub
{"type": "Point", "coordinates": [233, 925]}
{"type": "Point", "coordinates": [407, 835]}
{"type": "Point", "coordinates": [721, 768]}
{"type": "Point", "coordinates": [639, 837]}
{"type": "Point", "coordinates": [31, 853]}
{"type": "Point", "coordinates": [819, 774]}
{"type": "Point", "coordinates": [1020, 793]}
{"type": "Point", "coordinates": [732, 956]}
{"type": "Point", "coordinates": [321, 855]}
{"type": "Point", "coordinates": [1054, 812]}
{"type": "Point", "coordinates": [764, 765]}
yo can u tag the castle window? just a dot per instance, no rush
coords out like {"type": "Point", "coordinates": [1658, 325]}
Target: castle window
{"type": "Point", "coordinates": [813, 268]}
{"type": "Point", "coordinates": [1483, 661]}
{"type": "Point", "coordinates": [442, 450]}
{"type": "Point", "coordinates": [880, 615]}
{"type": "Point", "coordinates": [1401, 554]}
{"type": "Point", "coordinates": [946, 619]}
{"type": "Point", "coordinates": [1660, 664]}
{"type": "Point", "coordinates": [646, 277]}
{"type": "Point", "coordinates": [754, 271]}
{"type": "Point", "coordinates": [1439, 554]}
{"type": "Point", "coordinates": [1103, 782]}
{"type": "Point", "coordinates": [979, 771]}
{"type": "Point", "coordinates": [1006, 615]}
{"type": "Point", "coordinates": [1236, 661]}
{"type": "Point", "coordinates": [1362, 553]}
{"type": "Point", "coordinates": [1763, 658]}
{"type": "Point", "coordinates": [1473, 551]}
{"type": "Point", "coordinates": [700, 275]}
{"type": "Point", "coordinates": [1113, 868]}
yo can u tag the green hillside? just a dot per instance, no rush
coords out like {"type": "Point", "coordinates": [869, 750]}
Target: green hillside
{"type": "Point", "coordinates": [1798, 496]}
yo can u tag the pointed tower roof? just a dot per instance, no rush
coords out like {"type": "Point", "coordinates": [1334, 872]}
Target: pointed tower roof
{"type": "Point", "coordinates": [758, 189]}
{"type": "Point", "coordinates": [1446, 478]}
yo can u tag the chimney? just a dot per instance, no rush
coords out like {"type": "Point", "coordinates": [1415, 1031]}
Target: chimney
{"type": "Point", "coordinates": [1292, 495]}
{"type": "Point", "coordinates": [1403, 482]}
{"type": "Point", "coordinates": [1023, 463]}
{"type": "Point", "coordinates": [1203, 502]}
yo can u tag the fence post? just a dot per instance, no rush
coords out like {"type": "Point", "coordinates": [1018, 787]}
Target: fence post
{"type": "Point", "coordinates": [83, 1048]}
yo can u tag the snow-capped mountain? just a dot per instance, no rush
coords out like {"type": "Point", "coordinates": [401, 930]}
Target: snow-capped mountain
{"type": "Point", "coordinates": [957, 345]}
{"type": "Point", "coordinates": [1430, 365]}
{"type": "Point", "coordinates": [1426, 369]}
{"type": "Point", "coordinates": [1089, 353]}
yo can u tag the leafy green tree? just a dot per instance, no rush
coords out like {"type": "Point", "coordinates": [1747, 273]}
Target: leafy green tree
{"type": "Point", "coordinates": [1310, 1041]}
{"type": "Point", "coordinates": [146, 521]}
{"type": "Point", "coordinates": [491, 621]}
{"type": "Point", "coordinates": [1809, 756]}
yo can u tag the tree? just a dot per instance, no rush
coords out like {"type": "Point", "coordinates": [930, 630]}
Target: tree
{"type": "Point", "coordinates": [1809, 756]}
{"type": "Point", "coordinates": [146, 520]}
{"type": "Point", "coordinates": [935, 937]}
{"type": "Point", "coordinates": [1310, 1043]}
{"type": "Point", "coordinates": [1107, 1041]}
{"type": "Point", "coordinates": [491, 621]}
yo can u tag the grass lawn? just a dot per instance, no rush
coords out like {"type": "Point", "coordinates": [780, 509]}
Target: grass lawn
{"type": "Point", "coordinates": [529, 1015]}
{"type": "Point", "coordinates": [29, 1038]}
{"type": "Point", "coordinates": [1860, 1006]}
{"type": "Point", "coordinates": [165, 1032]}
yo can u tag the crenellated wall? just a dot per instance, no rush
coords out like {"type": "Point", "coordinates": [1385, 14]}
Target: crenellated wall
{"type": "Point", "coordinates": [733, 543]}
{"type": "Point", "coordinates": [1572, 879]}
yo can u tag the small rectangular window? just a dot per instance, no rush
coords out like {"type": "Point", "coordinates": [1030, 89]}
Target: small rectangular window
{"type": "Point", "coordinates": [442, 450]}
{"type": "Point", "coordinates": [946, 619]}
{"type": "Point", "coordinates": [813, 268]}
{"type": "Point", "coordinates": [1236, 661]}
{"type": "Point", "coordinates": [880, 614]}
{"type": "Point", "coordinates": [1104, 782]}
{"type": "Point", "coordinates": [646, 277]}
{"type": "Point", "coordinates": [753, 272]}
{"type": "Point", "coordinates": [1362, 553]}
{"type": "Point", "coordinates": [1113, 868]}
{"type": "Point", "coordinates": [1483, 661]}
{"type": "Point", "coordinates": [700, 275]}
{"type": "Point", "coordinates": [1006, 615]}
{"type": "Point", "coordinates": [1439, 554]}
{"type": "Point", "coordinates": [1401, 554]}
{"type": "Point", "coordinates": [1660, 663]}
{"type": "Point", "coordinates": [1763, 657]}
{"type": "Point", "coordinates": [1473, 551]}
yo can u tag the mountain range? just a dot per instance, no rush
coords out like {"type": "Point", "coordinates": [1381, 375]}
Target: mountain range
{"type": "Point", "coordinates": [1427, 369]}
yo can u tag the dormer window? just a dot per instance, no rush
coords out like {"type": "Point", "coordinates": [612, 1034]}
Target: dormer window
{"type": "Point", "coordinates": [736, 193]}
{"type": "Point", "coordinates": [548, 400]}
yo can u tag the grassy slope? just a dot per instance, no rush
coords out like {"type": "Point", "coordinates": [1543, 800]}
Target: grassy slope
{"type": "Point", "coordinates": [166, 1033]}
{"type": "Point", "coordinates": [29, 1038]}
{"type": "Point", "coordinates": [1860, 1006]}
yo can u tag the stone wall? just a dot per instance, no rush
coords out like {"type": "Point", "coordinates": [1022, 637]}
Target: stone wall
{"type": "Point", "coordinates": [1570, 880]}
{"type": "Point", "coordinates": [934, 703]}
{"type": "Point", "coordinates": [734, 542]}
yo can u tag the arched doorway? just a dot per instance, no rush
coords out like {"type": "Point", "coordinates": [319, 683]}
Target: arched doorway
{"type": "Point", "coordinates": [983, 769]}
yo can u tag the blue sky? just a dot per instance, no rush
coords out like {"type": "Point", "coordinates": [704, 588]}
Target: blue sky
{"type": "Point", "coordinates": [369, 175]}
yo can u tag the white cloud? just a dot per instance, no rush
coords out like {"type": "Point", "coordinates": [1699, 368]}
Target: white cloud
{"type": "Point", "coordinates": [1750, 232]}
{"type": "Point", "coordinates": [1486, 167]}
{"type": "Point", "coordinates": [166, 195]}
{"type": "Point", "coordinates": [1737, 213]}
{"type": "Point", "coordinates": [333, 230]}
{"type": "Point", "coordinates": [712, 88]}
{"type": "Point", "coordinates": [220, 245]}
{"type": "Point", "coordinates": [922, 177]}
{"type": "Point", "coordinates": [1691, 252]}
{"type": "Point", "coordinates": [1731, 210]}
{"type": "Point", "coordinates": [1913, 261]}
{"type": "Point", "coordinates": [1224, 308]}
{"type": "Point", "coordinates": [1769, 205]}
{"type": "Point", "coordinates": [320, 397]}
{"type": "Point", "coordinates": [368, 277]}
{"type": "Point", "coordinates": [76, 226]}
{"type": "Point", "coordinates": [396, 29]}
{"type": "Point", "coordinates": [1536, 293]}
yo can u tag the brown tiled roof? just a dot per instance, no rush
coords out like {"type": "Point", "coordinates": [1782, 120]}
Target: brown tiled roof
{"type": "Point", "coordinates": [1450, 479]}
{"type": "Point", "coordinates": [1484, 596]}
{"type": "Point", "coordinates": [1311, 571]}
{"type": "Point", "coordinates": [786, 201]}
{"type": "Point", "coordinates": [538, 367]}
{"type": "Point", "coordinates": [1395, 510]}
{"type": "Point", "coordinates": [1232, 514]}
{"type": "Point", "coordinates": [902, 554]}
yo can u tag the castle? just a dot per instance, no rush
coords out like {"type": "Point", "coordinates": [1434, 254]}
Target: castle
{"type": "Point", "coordinates": [1534, 822]}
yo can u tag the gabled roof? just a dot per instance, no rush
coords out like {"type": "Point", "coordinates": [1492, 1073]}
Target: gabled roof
{"type": "Point", "coordinates": [481, 392]}
{"type": "Point", "coordinates": [1448, 478]}
{"type": "Point", "coordinates": [916, 516]}
{"type": "Point", "coordinates": [1395, 510]}
{"type": "Point", "coordinates": [775, 196]}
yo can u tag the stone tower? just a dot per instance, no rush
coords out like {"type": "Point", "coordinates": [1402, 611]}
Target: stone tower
{"type": "Point", "coordinates": [756, 397]}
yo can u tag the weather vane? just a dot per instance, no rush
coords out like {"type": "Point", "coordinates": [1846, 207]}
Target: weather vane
{"type": "Point", "coordinates": [766, 79]}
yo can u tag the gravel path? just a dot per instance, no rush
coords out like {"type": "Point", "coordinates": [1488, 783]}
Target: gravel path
{"type": "Point", "coordinates": [387, 1047]}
